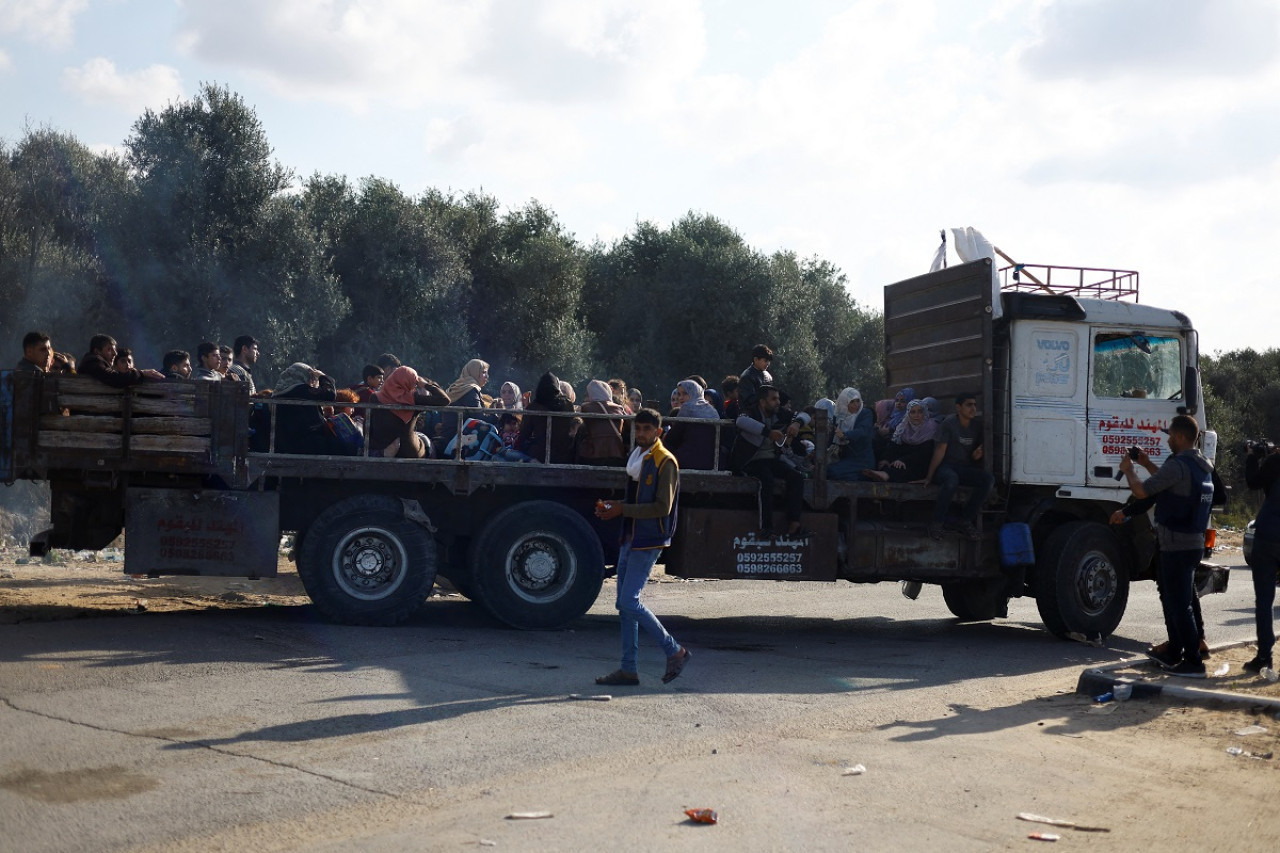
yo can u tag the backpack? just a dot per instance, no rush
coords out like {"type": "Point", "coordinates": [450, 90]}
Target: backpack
{"type": "Point", "coordinates": [348, 436]}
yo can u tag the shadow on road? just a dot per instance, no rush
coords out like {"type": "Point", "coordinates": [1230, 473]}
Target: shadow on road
{"type": "Point", "coordinates": [453, 660]}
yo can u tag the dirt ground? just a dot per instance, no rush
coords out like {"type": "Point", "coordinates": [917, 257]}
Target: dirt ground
{"type": "Point", "coordinates": [89, 585]}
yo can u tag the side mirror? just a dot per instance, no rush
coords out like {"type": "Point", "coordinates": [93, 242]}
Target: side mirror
{"type": "Point", "coordinates": [1191, 390]}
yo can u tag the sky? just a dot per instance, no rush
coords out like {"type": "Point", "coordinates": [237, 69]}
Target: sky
{"type": "Point", "coordinates": [1132, 134]}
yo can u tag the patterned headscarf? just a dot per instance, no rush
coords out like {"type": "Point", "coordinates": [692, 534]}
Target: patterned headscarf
{"type": "Point", "coordinates": [908, 433]}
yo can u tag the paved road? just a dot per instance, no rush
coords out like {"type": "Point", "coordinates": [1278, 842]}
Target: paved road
{"type": "Point", "coordinates": [227, 729]}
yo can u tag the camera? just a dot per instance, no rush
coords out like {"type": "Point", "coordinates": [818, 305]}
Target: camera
{"type": "Point", "coordinates": [1135, 453]}
{"type": "Point", "coordinates": [1260, 446]}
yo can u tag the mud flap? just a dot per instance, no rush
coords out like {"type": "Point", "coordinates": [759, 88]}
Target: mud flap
{"type": "Point", "coordinates": [205, 532]}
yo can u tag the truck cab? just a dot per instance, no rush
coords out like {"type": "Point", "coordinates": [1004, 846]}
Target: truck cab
{"type": "Point", "coordinates": [1071, 372]}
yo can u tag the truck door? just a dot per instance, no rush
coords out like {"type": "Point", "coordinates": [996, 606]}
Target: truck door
{"type": "Point", "coordinates": [1135, 389]}
{"type": "Point", "coordinates": [1050, 398]}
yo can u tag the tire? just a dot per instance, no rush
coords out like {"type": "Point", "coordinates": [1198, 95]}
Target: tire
{"type": "Point", "coordinates": [1082, 581]}
{"type": "Point", "coordinates": [537, 565]}
{"type": "Point", "coordinates": [976, 600]}
{"type": "Point", "coordinates": [363, 563]}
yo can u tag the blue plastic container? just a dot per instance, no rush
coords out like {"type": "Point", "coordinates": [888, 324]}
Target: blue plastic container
{"type": "Point", "coordinates": [1015, 544]}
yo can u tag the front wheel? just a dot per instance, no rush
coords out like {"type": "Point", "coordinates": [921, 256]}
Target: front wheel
{"type": "Point", "coordinates": [1082, 581]}
{"type": "Point", "coordinates": [537, 565]}
{"type": "Point", "coordinates": [362, 562]}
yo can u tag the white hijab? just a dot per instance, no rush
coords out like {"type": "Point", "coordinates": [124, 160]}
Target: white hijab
{"type": "Point", "coordinates": [846, 418]}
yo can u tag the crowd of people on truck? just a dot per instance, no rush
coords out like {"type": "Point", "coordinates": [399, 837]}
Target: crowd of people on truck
{"type": "Point", "coordinates": [748, 425]}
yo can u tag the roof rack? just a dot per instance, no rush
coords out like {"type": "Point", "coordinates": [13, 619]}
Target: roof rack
{"type": "Point", "coordinates": [1088, 282]}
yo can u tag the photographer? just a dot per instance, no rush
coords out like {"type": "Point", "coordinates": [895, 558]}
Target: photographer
{"type": "Point", "coordinates": [1183, 492]}
{"type": "Point", "coordinates": [1262, 472]}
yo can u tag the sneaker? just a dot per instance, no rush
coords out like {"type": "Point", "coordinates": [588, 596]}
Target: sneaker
{"type": "Point", "coordinates": [619, 678]}
{"type": "Point", "coordinates": [1162, 655]}
{"type": "Point", "coordinates": [675, 665]}
{"type": "Point", "coordinates": [1190, 667]}
{"type": "Point", "coordinates": [1258, 664]}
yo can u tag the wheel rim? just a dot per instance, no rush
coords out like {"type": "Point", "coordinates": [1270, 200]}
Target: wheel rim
{"type": "Point", "coordinates": [541, 567]}
{"type": "Point", "coordinates": [1096, 582]}
{"type": "Point", "coordinates": [370, 563]}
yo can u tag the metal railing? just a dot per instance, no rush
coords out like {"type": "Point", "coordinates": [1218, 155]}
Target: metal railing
{"type": "Point", "coordinates": [490, 417]}
{"type": "Point", "coordinates": [1089, 282]}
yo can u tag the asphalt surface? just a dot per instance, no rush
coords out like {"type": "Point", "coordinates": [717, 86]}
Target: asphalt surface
{"type": "Point", "coordinates": [271, 728]}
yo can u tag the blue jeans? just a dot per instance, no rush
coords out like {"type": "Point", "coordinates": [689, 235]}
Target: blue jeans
{"type": "Point", "coordinates": [633, 573]}
{"type": "Point", "coordinates": [1177, 580]}
{"type": "Point", "coordinates": [1264, 563]}
{"type": "Point", "coordinates": [948, 478]}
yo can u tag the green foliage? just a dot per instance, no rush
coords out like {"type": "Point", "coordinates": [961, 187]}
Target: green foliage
{"type": "Point", "coordinates": [404, 279]}
{"type": "Point", "coordinates": [197, 233]}
{"type": "Point", "coordinates": [1242, 402]}
{"type": "Point", "coordinates": [55, 196]}
{"type": "Point", "coordinates": [696, 298]}
{"type": "Point", "coordinates": [210, 249]}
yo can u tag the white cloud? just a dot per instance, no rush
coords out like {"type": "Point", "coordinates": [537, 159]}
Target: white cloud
{"type": "Point", "coordinates": [5, 62]}
{"type": "Point", "coordinates": [412, 52]}
{"type": "Point", "coordinates": [1097, 39]}
{"type": "Point", "coordinates": [49, 22]}
{"type": "Point", "coordinates": [98, 80]}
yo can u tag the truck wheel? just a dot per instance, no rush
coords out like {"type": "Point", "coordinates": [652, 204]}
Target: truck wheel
{"type": "Point", "coordinates": [1082, 582]}
{"type": "Point", "coordinates": [363, 563]}
{"type": "Point", "coordinates": [976, 600]}
{"type": "Point", "coordinates": [537, 565]}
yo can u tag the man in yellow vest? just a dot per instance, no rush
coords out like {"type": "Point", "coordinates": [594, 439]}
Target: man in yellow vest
{"type": "Point", "coordinates": [648, 523]}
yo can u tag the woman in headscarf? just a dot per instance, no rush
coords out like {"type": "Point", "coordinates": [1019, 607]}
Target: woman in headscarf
{"type": "Point", "coordinates": [932, 409]}
{"type": "Point", "coordinates": [900, 402]}
{"type": "Point", "coordinates": [509, 397]}
{"type": "Point", "coordinates": [856, 427]}
{"type": "Point", "coordinates": [908, 455]}
{"type": "Point", "coordinates": [302, 429]}
{"type": "Point", "coordinates": [465, 392]}
{"type": "Point", "coordinates": [884, 411]}
{"type": "Point", "coordinates": [534, 426]}
{"type": "Point", "coordinates": [402, 387]}
{"type": "Point", "coordinates": [693, 444]}
{"type": "Point", "coordinates": [600, 440]}
{"type": "Point", "coordinates": [635, 399]}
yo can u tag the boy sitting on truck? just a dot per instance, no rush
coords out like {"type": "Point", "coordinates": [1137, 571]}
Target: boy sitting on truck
{"type": "Point", "coordinates": [957, 461]}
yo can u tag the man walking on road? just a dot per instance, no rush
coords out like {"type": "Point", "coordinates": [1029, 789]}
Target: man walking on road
{"type": "Point", "coordinates": [649, 522]}
{"type": "Point", "coordinates": [1183, 489]}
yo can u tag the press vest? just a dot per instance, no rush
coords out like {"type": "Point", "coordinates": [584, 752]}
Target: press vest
{"type": "Point", "coordinates": [648, 533]}
{"type": "Point", "coordinates": [1187, 513]}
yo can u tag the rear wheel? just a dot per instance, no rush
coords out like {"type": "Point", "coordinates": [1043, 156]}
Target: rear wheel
{"type": "Point", "coordinates": [362, 562]}
{"type": "Point", "coordinates": [537, 565]}
{"type": "Point", "coordinates": [1082, 581]}
{"type": "Point", "coordinates": [976, 600]}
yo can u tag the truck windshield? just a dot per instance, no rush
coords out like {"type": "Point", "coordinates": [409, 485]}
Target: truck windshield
{"type": "Point", "coordinates": [1133, 364]}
